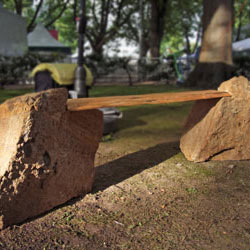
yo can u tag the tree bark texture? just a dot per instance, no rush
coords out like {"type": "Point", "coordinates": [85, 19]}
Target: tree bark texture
{"type": "Point", "coordinates": [19, 7]}
{"type": "Point", "coordinates": [215, 61]}
{"type": "Point", "coordinates": [157, 23]}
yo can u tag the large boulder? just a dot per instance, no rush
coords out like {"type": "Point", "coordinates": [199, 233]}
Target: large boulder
{"type": "Point", "coordinates": [218, 129]}
{"type": "Point", "coordinates": [46, 154]}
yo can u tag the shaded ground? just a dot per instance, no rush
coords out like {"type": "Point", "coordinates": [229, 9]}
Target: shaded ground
{"type": "Point", "coordinates": [148, 196]}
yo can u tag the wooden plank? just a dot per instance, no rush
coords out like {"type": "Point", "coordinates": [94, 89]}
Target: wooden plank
{"type": "Point", "coordinates": [132, 100]}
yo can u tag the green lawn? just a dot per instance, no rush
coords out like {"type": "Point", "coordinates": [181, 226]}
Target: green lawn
{"type": "Point", "coordinates": [97, 91]}
{"type": "Point", "coordinates": [9, 93]}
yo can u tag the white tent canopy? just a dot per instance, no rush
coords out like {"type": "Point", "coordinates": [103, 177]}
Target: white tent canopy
{"type": "Point", "coordinates": [242, 45]}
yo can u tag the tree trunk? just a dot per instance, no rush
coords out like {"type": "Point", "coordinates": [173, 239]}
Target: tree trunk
{"type": "Point", "coordinates": [19, 7]}
{"type": "Point", "coordinates": [157, 23]}
{"type": "Point", "coordinates": [188, 45]}
{"type": "Point", "coordinates": [145, 48]}
{"type": "Point", "coordinates": [215, 61]}
{"type": "Point", "coordinates": [239, 28]}
{"type": "Point", "coordinates": [242, 8]}
{"type": "Point", "coordinates": [97, 51]}
{"type": "Point", "coordinates": [198, 36]}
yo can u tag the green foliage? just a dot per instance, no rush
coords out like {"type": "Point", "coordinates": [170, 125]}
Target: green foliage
{"type": "Point", "coordinates": [108, 21]}
{"type": "Point", "coordinates": [182, 22]}
{"type": "Point", "coordinates": [242, 16]}
{"type": "Point", "coordinates": [17, 69]}
{"type": "Point", "coordinates": [107, 138]}
{"type": "Point", "coordinates": [172, 44]}
{"type": "Point", "coordinates": [46, 12]}
{"type": "Point", "coordinates": [67, 29]}
{"type": "Point", "coordinates": [101, 66]}
{"type": "Point", "coordinates": [12, 5]}
{"type": "Point", "coordinates": [192, 190]}
{"type": "Point", "coordinates": [241, 7]}
{"type": "Point", "coordinates": [52, 9]}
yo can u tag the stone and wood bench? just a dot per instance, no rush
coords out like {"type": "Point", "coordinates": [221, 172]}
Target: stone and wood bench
{"type": "Point", "coordinates": [48, 143]}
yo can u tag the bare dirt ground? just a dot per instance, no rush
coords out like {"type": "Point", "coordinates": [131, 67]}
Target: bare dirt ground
{"type": "Point", "coordinates": [148, 196]}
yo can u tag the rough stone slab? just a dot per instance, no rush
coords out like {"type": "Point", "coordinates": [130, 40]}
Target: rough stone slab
{"type": "Point", "coordinates": [219, 129]}
{"type": "Point", "coordinates": [46, 154]}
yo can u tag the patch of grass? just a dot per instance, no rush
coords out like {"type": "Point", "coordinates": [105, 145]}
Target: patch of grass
{"type": "Point", "coordinates": [198, 170]}
{"type": "Point", "coordinates": [10, 93]}
{"type": "Point", "coordinates": [107, 138]}
{"type": "Point", "coordinates": [98, 91]}
{"type": "Point", "coordinates": [120, 90]}
{"type": "Point", "coordinates": [192, 190]}
{"type": "Point", "coordinates": [68, 216]}
{"type": "Point", "coordinates": [149, 122]}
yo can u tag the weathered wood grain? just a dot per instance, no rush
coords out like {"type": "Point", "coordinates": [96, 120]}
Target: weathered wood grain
{"type": "Point", "coordinates": [132, 100]}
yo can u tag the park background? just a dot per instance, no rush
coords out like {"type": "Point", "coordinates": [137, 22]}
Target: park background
{"type": "Point", "coordinates": [146, 194]}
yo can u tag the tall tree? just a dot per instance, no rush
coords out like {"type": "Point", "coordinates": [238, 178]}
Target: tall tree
{"type": "Point", "coordinates": [183, 25]}
{"type": "Point", "coordinates": [167, 23]}
{"type": "Point", "coordinates": [215, 61]}
{"type": "Point", "coordinates": [152, 18]}
{"type": "Point", "coordinates": [66, 25]}
{"type": "Point", "coordinates": [242, 15]}
{"type": "Point", "coordinates": [107, 18]}
{"type": "Point", "coordinates": [136, 29]}
{"type": "Point", "coordinates": [157, 25]}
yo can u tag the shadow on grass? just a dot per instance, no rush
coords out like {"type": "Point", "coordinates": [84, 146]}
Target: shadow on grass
{"type": "Point", "coordinates": [135, 116]}
{"type": "Point", "coordinates": [127, 166]}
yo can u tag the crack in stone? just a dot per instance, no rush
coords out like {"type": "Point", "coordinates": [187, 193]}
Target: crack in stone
{"type": "Point", "coordinates": [220, 152]}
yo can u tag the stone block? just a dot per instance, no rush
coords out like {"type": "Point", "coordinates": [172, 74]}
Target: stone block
{"type": "Point", "coordinates": [46, 154]}
{"type": "Point", "coordinates": [218, 129]}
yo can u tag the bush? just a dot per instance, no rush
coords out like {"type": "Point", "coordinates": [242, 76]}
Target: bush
{"type": "Point", "coordinates": [16, 69]}
{"type": "Point", "coordinates": [102, 66]}
{"type": "Point", "coordinates": [157, 69]}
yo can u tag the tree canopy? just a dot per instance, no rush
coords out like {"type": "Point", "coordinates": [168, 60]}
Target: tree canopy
{"type": "Point", "coordinates": [242, 17]}
{"type": "Point", "coordinates": [164, 22]}
{"type": "Point", "coordinates": [45, 11]}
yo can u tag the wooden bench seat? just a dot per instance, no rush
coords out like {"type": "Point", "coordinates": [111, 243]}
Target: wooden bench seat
{"type": "Point", "coordinates": [132, 100]}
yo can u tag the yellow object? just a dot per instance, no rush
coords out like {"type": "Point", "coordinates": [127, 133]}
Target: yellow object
{"type": "Point", "coordinates": [62, 73]}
